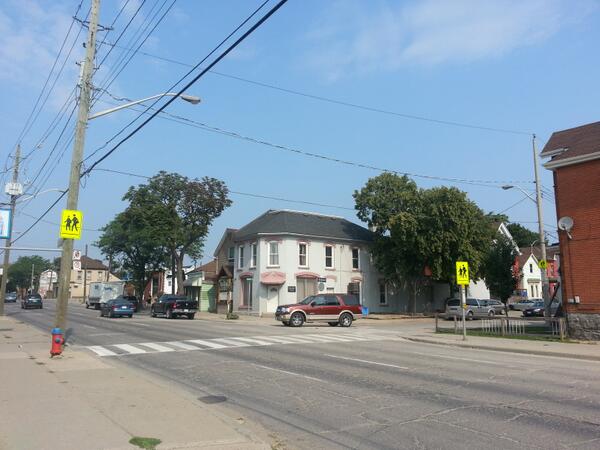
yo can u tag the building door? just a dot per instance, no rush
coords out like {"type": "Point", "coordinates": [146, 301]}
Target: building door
{"type": "Point", "coordinates": [247, 292]}
{"type": "Point", "coordinates": [272, 298]}
{"type": "Point", "coordinates": [354, 289]}
{"type": "Point", "coordinates": [305, 287]}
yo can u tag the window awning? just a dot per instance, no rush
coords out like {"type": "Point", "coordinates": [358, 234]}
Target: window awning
{"type": "Point", "coordinates": [307, 275]}
{"type": "Point", "coordinates": [272, 278]}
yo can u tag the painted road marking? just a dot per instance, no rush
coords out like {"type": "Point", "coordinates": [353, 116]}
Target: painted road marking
{"type": "Point", "coordinates": [231, 342]}
{"type": "Point", "coordinates": [207, 343]}
{"type": "Point", "coordinates": [183, 345]}
{"type": "Point", "coordinates": [130, 349]}
{"type": "Point", "coordinates": [369, 362]}
{"type": "Point", "coordinates": [101, 351]}
{"type": "Point", "coordinates": [287, 372]}
{"type": "Point", "coordinates": [157, 347]}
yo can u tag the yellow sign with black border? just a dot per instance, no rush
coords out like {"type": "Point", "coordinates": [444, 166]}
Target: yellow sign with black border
{"type": "Point", "coordinates": [71, 224]}
{"type": "Point", "coordinates": [462, 273]}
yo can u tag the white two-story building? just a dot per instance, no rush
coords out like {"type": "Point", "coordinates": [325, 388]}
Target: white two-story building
{"type": "Point", "coordinates": [283, 256]}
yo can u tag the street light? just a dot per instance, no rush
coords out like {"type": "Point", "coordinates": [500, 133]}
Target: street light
{"type": "Point", "coordinates": [510, 186]}
{"type": "Point", "coordinates": [22, 199]}
{"type": "Point", "coordinates": [188, 98]}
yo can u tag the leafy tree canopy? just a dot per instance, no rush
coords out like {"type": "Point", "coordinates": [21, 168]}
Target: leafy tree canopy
{"type": "Point", "coordinates": [524, 237]}
{"type": "Point", "coordinates": [499, 270]}
{"type": "Point", "coordinates": [19, 273]}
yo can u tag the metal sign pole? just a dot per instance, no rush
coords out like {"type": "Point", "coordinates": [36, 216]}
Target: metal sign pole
{"type": "Point", "coordinates": [463, 304]}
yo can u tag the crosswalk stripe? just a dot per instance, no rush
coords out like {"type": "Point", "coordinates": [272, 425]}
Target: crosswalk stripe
{"type": "Point", "coordinates": [254, 341]}
{"type": "Point", "coordinates": [183, 345]}
{"type": "Point", "coordinates": [157, 347]}
{"type": "Point", "coordinates": [282, 339]}
{"type": "Point", "coordinates": [231, 342]}
{"type": "Point", "coordinates": [101, 351]}
{"type": "Point", "coordinates": [338, 338]}
{"type": "Point", "coordinates": [130, 349]}
{"type": "Point", "coordinates": [207, 343]}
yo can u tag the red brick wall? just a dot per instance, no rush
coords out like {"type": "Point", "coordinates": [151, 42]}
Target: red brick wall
{"type": "Point", "coordinates": [577, 191]}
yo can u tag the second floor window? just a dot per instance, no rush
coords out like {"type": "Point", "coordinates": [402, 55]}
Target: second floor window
{"type": "Point", "coordinates": [253, 255]}
{"type": "Point", "coordinates": [231, 255]}
{"type": "Point", "coordinates": [241, 256]}
{"type": "Point", "coordinates": [355, 259]}
{"type": "Point", "coordinates": [530, 268]}
{"type": "Point", "coordinates": [273, 253]}
{"type": "Point", "coordinates": [329, 256]}
{"type": "Point", "coordinates": [302, 257]}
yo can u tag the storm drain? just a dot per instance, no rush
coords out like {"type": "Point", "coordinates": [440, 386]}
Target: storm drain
{"type": "Point", "coordinates": [211, 399]}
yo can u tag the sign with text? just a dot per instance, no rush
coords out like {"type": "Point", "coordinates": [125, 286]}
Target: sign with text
{"type": "Point", "coordinates": [291, 288]}
{"type": "Point", "coordinates": [76, 265]}
{"type": "Point", "coordinates": [71, 223]}
{"type": "Point", "coordinates": [5, 218]}
{"type": "Point", "coordinates": [462, 273]}
{"type": "Point", "coordinates": [76, 255]}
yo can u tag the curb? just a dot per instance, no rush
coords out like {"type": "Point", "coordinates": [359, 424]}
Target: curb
{"type": "Point", "coordinates": [506, 350]}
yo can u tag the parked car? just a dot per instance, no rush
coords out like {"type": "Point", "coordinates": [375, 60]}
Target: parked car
{"type": "Point", "coordinates": [524, 304]}
{"type": "Point", "coordinates": [32, 301]}
{"type": "Point", "coordinates": [172, 306]}
{"type": "Point", "coordinates": [474, 308]}
{"type": "Point", "coordinates": [131, 299]}
{"type": "Point", "coordinates": [117, 307]}
{"type": "Point", "coordinates": [535, 310]}
{"type": "Point", "coordinates": [538, 308]}
{"type": "Point", "coordinates": [10, 297]}
{"type": "Point", "coordinates": [335, 309]}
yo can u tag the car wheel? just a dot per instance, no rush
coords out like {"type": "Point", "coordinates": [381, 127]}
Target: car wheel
{"type": "Point", "coordinates": [110, 315]}
{"type": "Point", "coordinates": [491, 314]}
{"type": "Point", "coordinates": [101, 313]}
{"type": "Point", "coordinates": [191, 316]}
{"type": "Point", "coordinates": [333, 324]}
{"type": "Point", "coordinates": [296, 319]}
{"type": "Point", "coordinates": [152, 313]}
{"type": "Point", "coordinates": [169, 314]}
{"type": "Point", "coordinates": [470, 315]}
{"type": "Point", "coordinates": [87, 306]}
{"type": "Point", "coordinates": [345, 320]}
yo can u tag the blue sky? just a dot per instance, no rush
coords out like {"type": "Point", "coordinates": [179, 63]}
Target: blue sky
{"type": "Point", "coordinates": [524, 66]}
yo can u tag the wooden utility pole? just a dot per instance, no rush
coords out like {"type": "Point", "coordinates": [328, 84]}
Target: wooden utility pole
{"type": "Point", "coordinates": [66, 260]}
{"type": "Point", "coordinates": [13, 203]}
{"type": "Point", "coordinates": [84, 267]}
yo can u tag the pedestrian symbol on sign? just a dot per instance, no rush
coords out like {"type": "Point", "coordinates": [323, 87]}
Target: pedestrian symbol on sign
{"type": "Point", "coordinates": [462, 272]}
{"type": "Point", "coordinates": [70, 224]}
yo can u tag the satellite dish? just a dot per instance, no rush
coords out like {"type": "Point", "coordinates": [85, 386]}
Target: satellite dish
{"type": "Point", "coordinates": [565, 223]}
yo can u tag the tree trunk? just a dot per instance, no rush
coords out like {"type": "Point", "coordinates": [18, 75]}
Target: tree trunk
{"type": "Point", "coordinates": [180, 289]}
{"type": "Point", "coordinates": [173, 270]}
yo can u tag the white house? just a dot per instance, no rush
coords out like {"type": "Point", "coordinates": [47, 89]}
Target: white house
{"type": "Point", "coordinates": [283, 256]}
{"type": "Point", "coordinates": [530, 284]}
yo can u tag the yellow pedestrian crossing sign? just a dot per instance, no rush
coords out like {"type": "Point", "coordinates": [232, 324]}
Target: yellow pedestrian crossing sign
{"type": "Point", "coordinates": [462, 273]}
{"type": "Point", "coordinates": [71, 224]}
{"type": "Point", "coordinates": [543, 264]}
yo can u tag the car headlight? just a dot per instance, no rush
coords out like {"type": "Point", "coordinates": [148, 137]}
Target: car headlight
{"type": "Point", "coordinates": [537, 310]}
{"type": "Point", "coordinates": [284, 310]}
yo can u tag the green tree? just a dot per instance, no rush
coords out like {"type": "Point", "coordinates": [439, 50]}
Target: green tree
{"type": "Point", "coordinates": [418, 228]}
{"type": "Point", "coordinates": [524, 237]}
{"type": "Point", "coordinates": [182, 211]}
{"type": "Point", "coordinates": [19, 273]}
{"type": "Point", "coordinates": [129, 241]}
{"type": "Point", "coordinates": [499, 272]}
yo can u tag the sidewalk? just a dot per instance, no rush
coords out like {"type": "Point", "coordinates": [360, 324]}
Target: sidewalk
{"type": "Point", "coordinates": [579, 350]}
{"type": "Point", "coordinates": [79, 401]}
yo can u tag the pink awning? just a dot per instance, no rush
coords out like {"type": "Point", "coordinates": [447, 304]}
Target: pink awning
{"type": "Point", "coordinates": [272, 278]}
{"type": "Point", "coordinates": [307, 275]}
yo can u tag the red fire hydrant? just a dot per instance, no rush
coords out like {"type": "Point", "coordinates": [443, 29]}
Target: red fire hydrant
{"type": "Point", "coordinates": [57, 342]}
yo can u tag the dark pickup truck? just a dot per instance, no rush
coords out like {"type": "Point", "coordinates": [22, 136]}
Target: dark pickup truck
{"type": "Point", "coordinates": [171, 306]}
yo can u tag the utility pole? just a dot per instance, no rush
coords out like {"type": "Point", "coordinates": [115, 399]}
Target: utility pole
{"type": "Point", "coordinates": [32, 272]}
{"type": "Point", "coordinates": [66, 260]}
{"type": "Point", "coordinates": [84, 267]}
{"type": "Point", "coordinates": [13, 202]}
{"type": "Point", "coordinates": [542, 237]}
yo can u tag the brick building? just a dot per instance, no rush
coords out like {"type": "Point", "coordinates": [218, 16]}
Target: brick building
{"type": "Point", "coordinates": [575, 163]}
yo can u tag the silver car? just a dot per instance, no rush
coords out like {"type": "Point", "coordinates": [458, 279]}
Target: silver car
{"type": "Point", "coordinates": [524, 304]}
{"type": "Point", "coordinates": [474, 308]}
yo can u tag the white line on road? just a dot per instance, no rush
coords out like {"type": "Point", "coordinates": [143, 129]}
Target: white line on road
{"type": "Point", "coordinates": [130, 349]}
{"type": "Point", "coordinates": [104, 334]}
{"type": "Point", "coordinates": [458, 358]}
{"type": "Point", "coordinates": [139, 324]}
{"type": "Point", "coordinates": [101, 351]}
{"type": "Point", "coordinates": [369, 362]}
{"type": "Point", "coordinates": [157, 347]}
{"type": "Point", "coordinates": [231, 341]}
{"type": "Point", "coordinates": [254, 341]}
{"type": "Point", "coordinates": [207, 343]}
{"type": "Point", "coordinates": [183, 345]}
{"type": "Point", "coordinates": [290, 373]}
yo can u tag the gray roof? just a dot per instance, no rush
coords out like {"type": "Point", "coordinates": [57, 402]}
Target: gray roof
{"type": "Point", "coordinates": [305, 224]}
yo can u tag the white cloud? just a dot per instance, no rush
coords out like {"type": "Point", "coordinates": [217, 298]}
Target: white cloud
{"type": "Point", "coordinates": [31, 33]}
{"type": "Point", "coordinates": [369, 36]}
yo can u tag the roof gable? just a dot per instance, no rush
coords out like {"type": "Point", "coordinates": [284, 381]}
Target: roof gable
{"type": "Point", "coordinates": [573, 145]}
{"type": "Point", "coordinates": [305, 224]}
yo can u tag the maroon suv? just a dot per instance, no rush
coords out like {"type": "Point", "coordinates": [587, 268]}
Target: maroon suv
{"type": "Point", "coordinates": [335, 309]}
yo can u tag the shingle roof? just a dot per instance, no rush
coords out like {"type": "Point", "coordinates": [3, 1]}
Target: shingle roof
{"type": "Point", "coordinates": [576, 142]}
{"type": "Point", "coordinates": [305, 224]}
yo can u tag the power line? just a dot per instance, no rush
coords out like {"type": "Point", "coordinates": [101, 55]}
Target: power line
{"type": "Point", "coordinates": [340, 102]}
{"type": "Point", "coordinates": [186, 121]}
{"type": "Point", "coordinates": [513, 205]}
{"type": "Point", "coordinates": [195, 79]}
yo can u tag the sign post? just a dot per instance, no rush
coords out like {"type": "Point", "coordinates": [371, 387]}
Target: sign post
{"type": "Point", "coordinates": [462, 279]}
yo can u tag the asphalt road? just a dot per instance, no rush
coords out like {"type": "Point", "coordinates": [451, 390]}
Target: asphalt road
{"type": "Point", "coordinates": [364, 387]}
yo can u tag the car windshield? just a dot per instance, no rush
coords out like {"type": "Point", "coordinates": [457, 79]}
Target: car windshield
{"type": "Point", "coordinates": [538, 305]}
{"type": "Point", "coordinates": [307, 300]}
{"type": "Point", "coordinates": [453, 302]}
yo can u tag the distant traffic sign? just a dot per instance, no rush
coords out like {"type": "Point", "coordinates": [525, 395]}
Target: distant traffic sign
{"type": "Point", "coordinates": [462, 273]}
{"type": "Point", "coordinates": [5, 218]}
{"type": "Point", "coordinates": [76, 255]}
{"type": "Point", "coordinates": [76, 265]}
{"type": "Point", "coordinates": [543, 264]}
{"type": "Point", "coordinates": [71, 224]}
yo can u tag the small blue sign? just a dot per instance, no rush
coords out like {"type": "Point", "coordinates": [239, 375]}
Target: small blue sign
{"type": "Point", "coordinates": [5, 223]}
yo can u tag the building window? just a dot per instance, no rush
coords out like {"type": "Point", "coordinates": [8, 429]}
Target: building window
{"type": "Point", "coordinates": [329, 256]}
{"type": "Point", "coordinates": [530, 268]}
{"type": "Point", "coordinates": [382, 293]}
{"type": "Point", "coordinates": [79, 276]}
{"type": "Point", "coordinates": [302, 255]}
{"type": "Point", "coordinates": [88, 274]}
{"type": "Point", "coordinates": [241, 256]}
{"type": "Point", "coordinates": [231, 255]}
{"type": "Point", "coordinates": [355, 255]}
{"type": "Point", "coordinates": [253, 255]}
{"type": "Point", "coordinates": [273, 253]}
